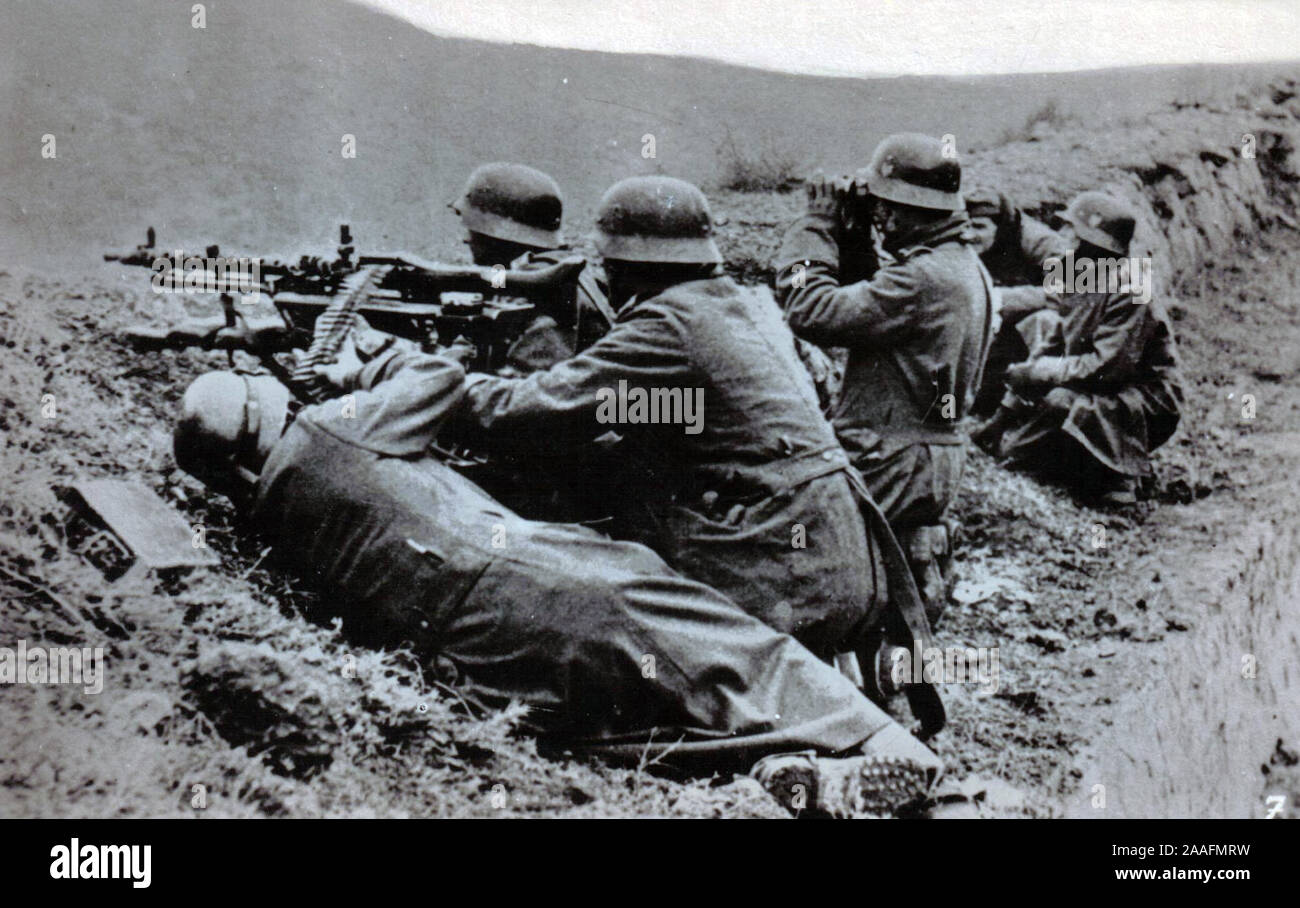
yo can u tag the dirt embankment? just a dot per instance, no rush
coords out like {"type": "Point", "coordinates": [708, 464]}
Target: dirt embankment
{"type": "Point", "coordinates": [1149, 652]}
{"type": "Point", "coordinates": [1208, 723]}
{"type": "Point", "coordinates": [1205, 724]}
{"type": "Point", "coordinates": [1122, 665]}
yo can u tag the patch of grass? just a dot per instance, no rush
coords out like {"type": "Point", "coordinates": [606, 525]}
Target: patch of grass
{"type": "Point", "coordinates": [1047, 119]}
{"type": "Point", "coordinates": [766, 164]}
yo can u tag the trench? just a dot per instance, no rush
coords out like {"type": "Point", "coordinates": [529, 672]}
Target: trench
{"type": "Point", "coordinates": [1206, 722]}
{"type": "Point", "coordinates": [1207, 725]}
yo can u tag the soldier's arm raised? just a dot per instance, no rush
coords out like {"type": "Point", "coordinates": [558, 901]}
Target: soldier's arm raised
{"type": "Point", "coordinates": [1043, 251]}
{"type": "Point", "coordinates": [1038, 242]}
{"type": "Point", "coordinates": [822, 311]}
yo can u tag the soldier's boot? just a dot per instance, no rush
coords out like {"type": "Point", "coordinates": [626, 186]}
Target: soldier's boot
{"type": "Point", "coordinates": [894, 774]}
{"type": "Point", "coordinates": [929, 553]}
{"type": "Point", "coordinates": [988, 436]}
{"type": "Point", "coordinates": [888, 669]}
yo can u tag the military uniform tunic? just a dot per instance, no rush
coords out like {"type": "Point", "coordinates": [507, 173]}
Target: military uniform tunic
{"type": "Point", "coordinates": [756, 504]}
{"type": "Point", "coordinates": [551, 337]}
{"type": "Point", "coordinates": [1106, 378]}
{"type": "Point", "coordinates": [602, 640]}
{"type": "Point", "coordinates": [917, 333]}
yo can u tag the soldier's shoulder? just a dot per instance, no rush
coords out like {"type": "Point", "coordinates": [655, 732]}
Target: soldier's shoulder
{"type": "Point", "coordinates": [684, 303]}
{"type": "Point", "coordinates": [935, 253]}
{"type": "Point", "coordinates": [939, 262]}
{"type": "Point", "coordinates": [666, 306]}
{"type": "Point", "coordinates": [686, 295]}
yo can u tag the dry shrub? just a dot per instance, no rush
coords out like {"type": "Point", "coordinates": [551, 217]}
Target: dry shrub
{"type": "Point", "coordinates": [1046, 119]}
{"type": "Point", "coordinates": [762, 164]}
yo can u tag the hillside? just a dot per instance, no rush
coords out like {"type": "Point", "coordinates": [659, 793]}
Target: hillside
{"type": "Point", "coordinates": [233, 133]}
{"type": "Point", "coordinates": [1121, 665]}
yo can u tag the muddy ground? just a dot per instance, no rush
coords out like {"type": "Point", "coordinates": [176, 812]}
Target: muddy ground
{"type": "Point", "coordinates": [226, 694]}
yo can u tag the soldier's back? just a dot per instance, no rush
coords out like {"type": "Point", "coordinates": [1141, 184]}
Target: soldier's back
{"type": "Point", "coordinates": [759, 400]}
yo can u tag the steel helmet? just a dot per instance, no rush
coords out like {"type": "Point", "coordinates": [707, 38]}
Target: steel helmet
{"type": "Point", "coordinates": [228, 422]}
{"type": "Point", "coordinates": [514, 203]}
{"type": "Point", "coordinates": [910, 168]}
{"type": "Point", "coordinates": [656, 219]}
{"type": "Point", "coordinates": [1102, 220]}
{"type": "Point", "coordinates": [989, 203]}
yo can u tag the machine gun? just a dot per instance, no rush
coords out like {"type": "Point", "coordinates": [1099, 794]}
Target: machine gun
{"type": "Point", "coordinates": [319, 300]}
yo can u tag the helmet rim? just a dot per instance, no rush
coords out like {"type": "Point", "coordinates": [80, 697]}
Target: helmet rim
{"type": "Point", "coordinates": [1086, 229]}
{"type": "Point", "coordinates": [681, 250]}
{"type": "Point", "coordinates": [656, 219]}
{"type": "Point", "coordinates": [500, 227]}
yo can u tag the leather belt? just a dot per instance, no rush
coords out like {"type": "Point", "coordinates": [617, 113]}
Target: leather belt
{"type": "Point", "coordinates": [793, 472]}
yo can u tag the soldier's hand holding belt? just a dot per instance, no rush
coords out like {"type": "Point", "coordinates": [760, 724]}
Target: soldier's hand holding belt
{"type": "Point", "coordinates": [346, 368]}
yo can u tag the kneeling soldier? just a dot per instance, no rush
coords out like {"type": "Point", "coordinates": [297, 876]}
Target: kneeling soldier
{"type": "Point", "coordinates": [1099, 391]}
{"type": "Point", "coordinates": [917, 332]}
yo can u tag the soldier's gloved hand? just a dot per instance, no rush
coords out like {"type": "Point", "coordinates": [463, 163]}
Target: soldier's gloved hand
{"type": "Point", "coordinates": [822, 196]}
{"type": "Point", "coordinates": [1018, 376]}
{"type": "Point", "coordinates": [346, 368]}
{"type": "Point", "coordinates": [369, 342]}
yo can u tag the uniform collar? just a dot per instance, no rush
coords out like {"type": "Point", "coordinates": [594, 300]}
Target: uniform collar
{"type": "Point", "coordinates": [950, 230]}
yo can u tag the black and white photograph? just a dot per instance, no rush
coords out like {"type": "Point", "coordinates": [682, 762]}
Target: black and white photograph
{"type": "Point", "coordinates": [566, 409]}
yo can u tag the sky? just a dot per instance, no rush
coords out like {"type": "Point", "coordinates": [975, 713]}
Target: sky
{"type": "Point", "coordinates": [886, 37]}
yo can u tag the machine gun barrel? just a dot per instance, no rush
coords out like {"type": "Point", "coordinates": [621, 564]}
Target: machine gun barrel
{"type": "Point", "coordinates": [510, 280]}
{"type": "Point", "coordinates": [406, 295]}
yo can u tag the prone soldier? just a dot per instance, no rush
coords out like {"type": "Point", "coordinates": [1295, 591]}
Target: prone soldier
{"type": "Point", "coordinates": [559, 617]}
